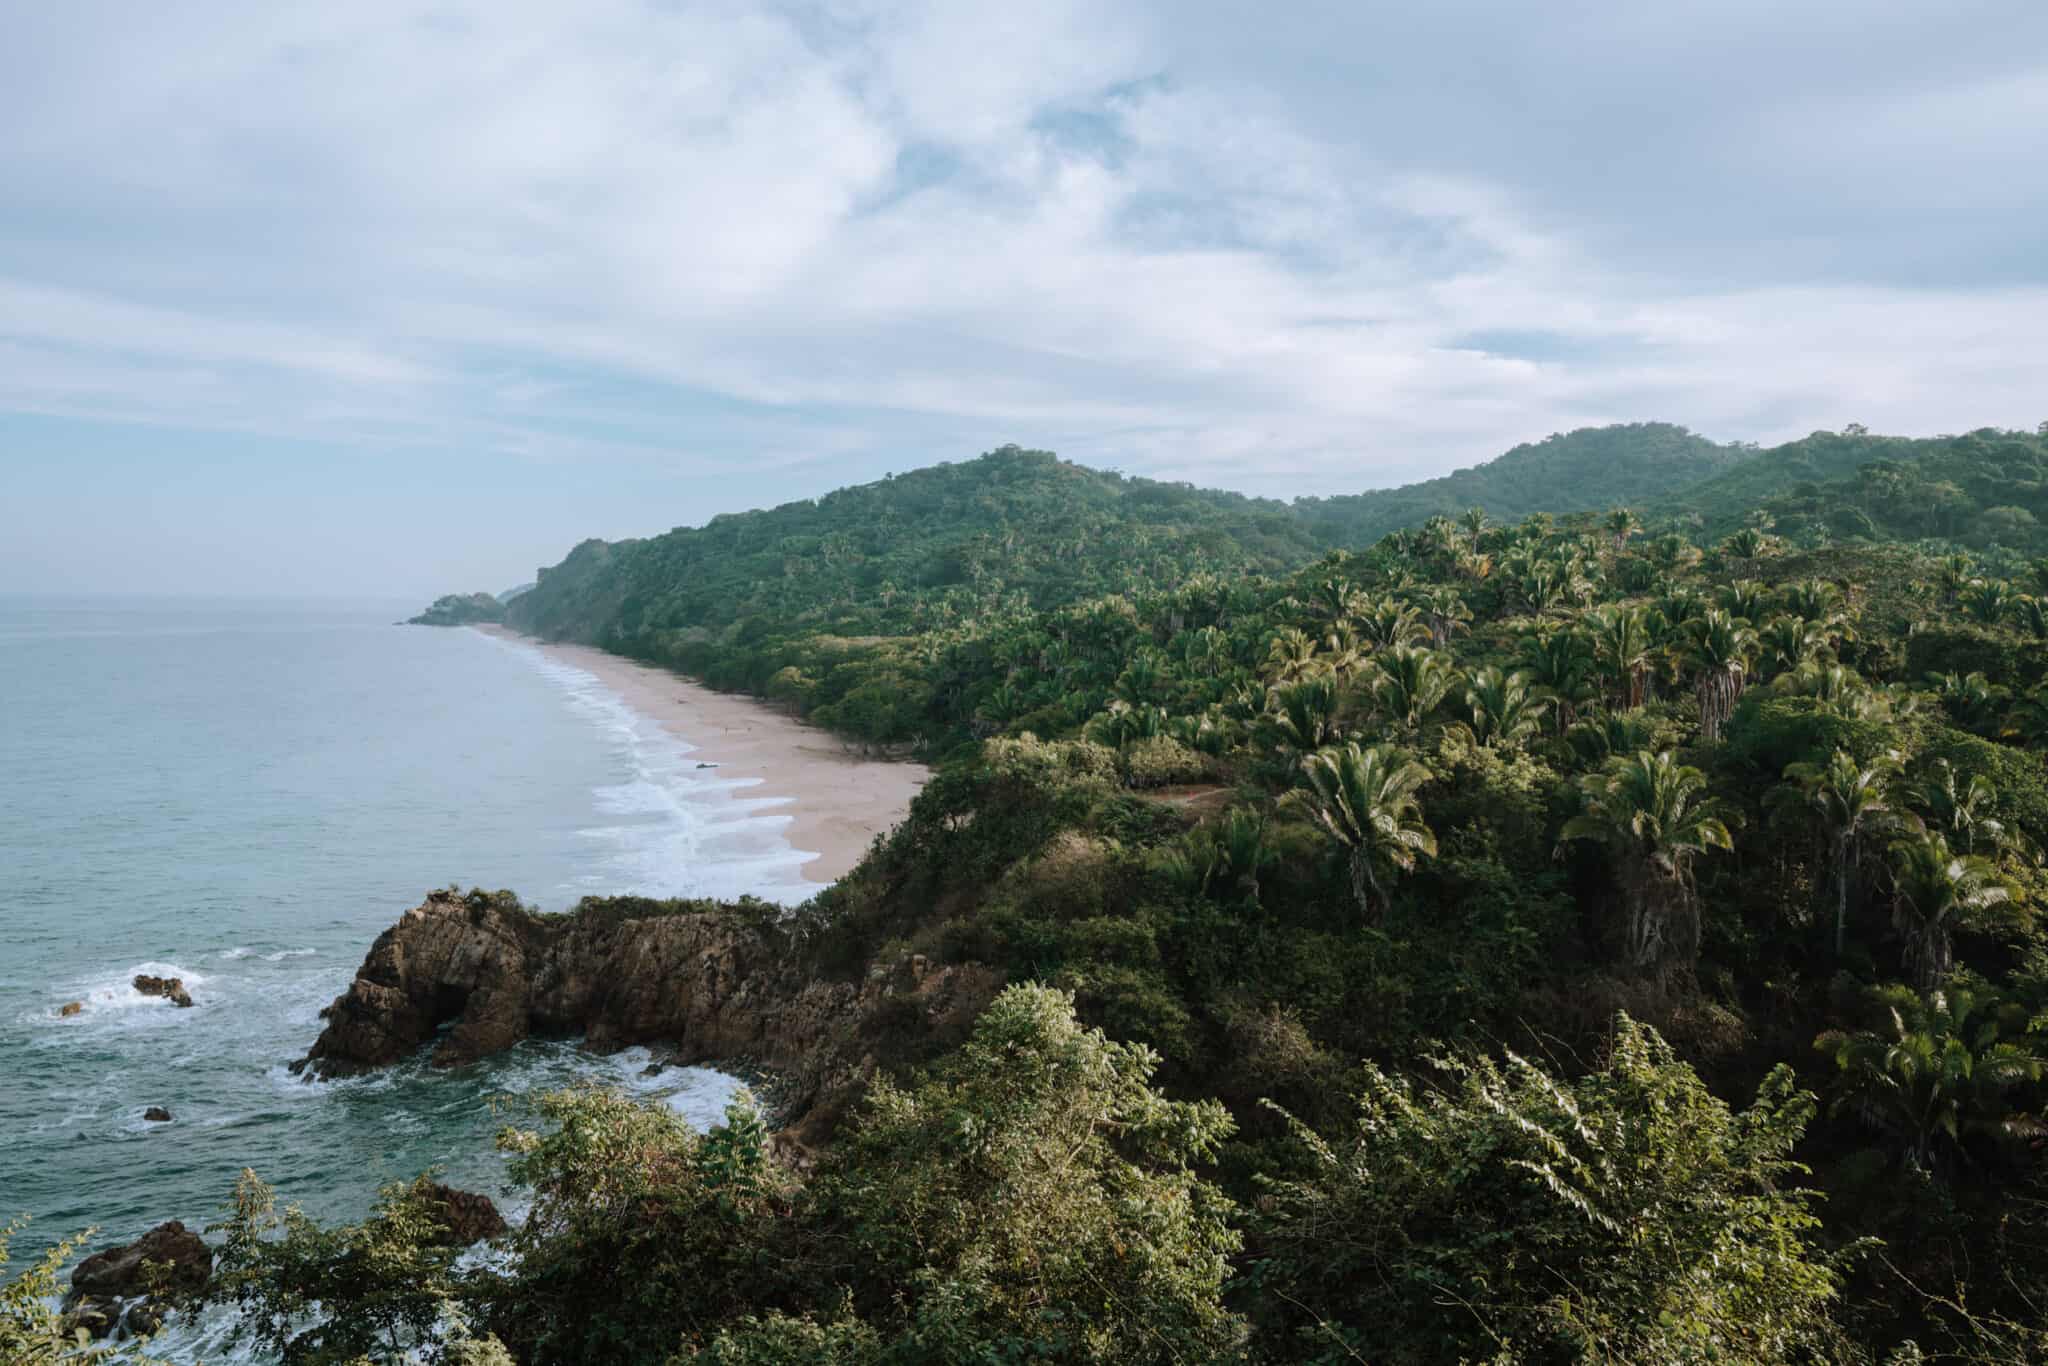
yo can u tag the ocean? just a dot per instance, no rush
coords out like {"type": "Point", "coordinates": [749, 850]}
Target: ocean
{"type": "Point", "coordinates": [244, 795]}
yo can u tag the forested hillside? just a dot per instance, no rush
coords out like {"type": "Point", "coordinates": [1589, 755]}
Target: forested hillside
{"type": "Point", "coordinates": [1551, 941]}
{"type": "Point", "coordinates": [1593, 467]}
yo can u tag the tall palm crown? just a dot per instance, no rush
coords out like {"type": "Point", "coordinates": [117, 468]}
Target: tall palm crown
{"type": "Point", "coordinates": [1719, 648]}
{"type": "Point", "coordinates": [1651, 813]}
{"type": "Point", "coordinates": [1504, 708]}
{"type": "Point", "coordinates": [1560, 663]}
{"type": "Point", "coordinates": [1847, 800]}
{"type": "Point", "coordinates": [1412, 683]}
{"type": "Point", "coordinates": [1935, 1070]}
{"type": "Point", "coordinates": [1787, 641]}
{"type": "Point", "coordinates": [1961, 807]}
{"type": "Point", "coordinates": [1365, 799]}
{"type": "Point", "coordinates": [1621, 642]}
{"type": "Point", "coordinates": [1621, 524]}
{"type": "Point", "coordinates": [1934, 889]}
{"type": "Point", "coordinates": [1302, 716]}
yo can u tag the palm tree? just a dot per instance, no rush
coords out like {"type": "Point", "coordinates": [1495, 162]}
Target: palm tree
{"type": "Point", "coordinates": [1847, 800]}
{"type": "Point", "coordinates": [1786, 642]}
{"type": "Point", "coordinates": [1443, 611]}
{"type": "Point", "coordinates": [1746, 544]}
{"type": "Point", "coordinates": [1226, 857]}
{"type": "Point", "coordinates": [1505, 711]}
{"type": "Point", "coordinates": [1935, 1069]}
{"type": "Point", "coordinates": [1744, 598]}
{"type": "Point", "coordinates": [1961, 807]}
{"type": "Point", "coordinates": [1291, 653]}
{"type": "Point", "coordinates": [1819, 601]}
{"type": "Point", "coordinates": [1933, 888]}
{"type": "Point", "coordinates": [1988, 600]}
{"type": "Point", "coordinates": [1385, 622]}
{"type": "Point", "coordinates": [1560, 663]}
{"type": "Point", "coordinates": [1955, 572]}
{"type": "Point", "coordinates": [1475, 523]}
{"type": "Point", "coordinates": [1365, 799]}
{"type": "Point", "coordinates": [1302, 716]}
{"type": "Point", "coordinates": [1621, 524]}
{"type": "Point", "coordinates": [1648, 809]}
{"type": "Point", "coordinates": [1413, 682]}
{"type": "Point", "coordinates": [2032, 614]}
{"type": "Point", "coordinates": [1621, 642]}
{"type": "Point", "coordinates": [1719, 647]}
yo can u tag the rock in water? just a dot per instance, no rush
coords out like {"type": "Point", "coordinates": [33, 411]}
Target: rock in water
{"type": "Point", "coordinates": [71, 1008]}
{"type": "Point", "coordinates": [171, 989]}
{"type": "Point", "coordinates": [101, 1282]}
{"type": "Point", "coordinates": [157, 1114]}
{"type": "Point", "coordinates": [468, 1216]}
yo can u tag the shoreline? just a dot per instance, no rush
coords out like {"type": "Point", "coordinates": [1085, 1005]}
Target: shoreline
{"type": "Point", "coordinates": [837, 802]}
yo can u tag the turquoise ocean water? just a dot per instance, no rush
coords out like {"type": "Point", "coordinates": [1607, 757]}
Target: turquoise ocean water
{"type": "Point", "coordinates": [245, 795]}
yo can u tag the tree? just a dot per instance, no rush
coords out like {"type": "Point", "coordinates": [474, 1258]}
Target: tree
{"type": "Point", "coordinates": [1302, 716]}
{"type": "Point", "coordinates": [1621, 524]}
{"type": "Point", "coordinates": [1621, 642]}
{"type": "Point", "coordinates": [1496, 1212]}
{"type": "Point", "coordinates": [1934, 889]}
{"type": "Point", "coordinates": [1035, 1200]}
{"type": "Point", "coordinates": [1847, 800]}
{"type": "Point", "coordinates": [1365, 800]}
{"type": "Point", "coordinates": [1504, 710]}
{"type": "Point", "coordinates": [1560, 662]}
{"type": "Point", "coordinates": [1475, 523]}
{"type": "Point", "coordinates": [1786, 642]}
{"type": "Point", "coordinates": [385, 1289]}
{"type": "Point", "coordinates": [1934, 1072]}
{"type": "Point", "coordinates": [1719, 647]}
{"type": "Point", "coordinates": [1961, 807]}
{"type": "Point", "coordinates": [1648, 809]}
{"type": "Point", "coordinates": [1412, 683]}
{"type": "Point", "coordinates": [33, 1332]}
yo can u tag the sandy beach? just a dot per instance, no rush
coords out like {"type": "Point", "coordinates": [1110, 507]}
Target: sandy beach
{"type": "Point", "coordinates": [838, 802]}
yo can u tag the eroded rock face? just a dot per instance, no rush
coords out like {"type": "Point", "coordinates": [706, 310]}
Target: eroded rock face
{"type": "Point", "coordinates": [710, 984]}
{"type": "Point", "coordinates": [498, 974]}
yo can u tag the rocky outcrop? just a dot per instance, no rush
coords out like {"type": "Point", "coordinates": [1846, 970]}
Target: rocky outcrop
{"type": "Point", "coordinates": [157, 1114]}
{"type": "Point", "coordinates": [171, 989]}
{"type": "Point", "coordinates": [128, 1289]}
{"type": "Point", "coordinates": [467, 1216]}
{"type": "Point", "coordinates": [475, 974]}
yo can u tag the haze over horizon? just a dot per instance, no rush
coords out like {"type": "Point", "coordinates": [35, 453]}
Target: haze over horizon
{"type": "Point", "coordinates": [408, 297]}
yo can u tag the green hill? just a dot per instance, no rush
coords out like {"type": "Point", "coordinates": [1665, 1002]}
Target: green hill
{"type": "Point", "coordinates": [1982, 489]}
{"type": "Point", "coordinates": [1581, 471]}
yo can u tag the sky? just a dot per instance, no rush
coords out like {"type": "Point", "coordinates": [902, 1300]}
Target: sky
{"type": "Point", "coordinates": [391, 298]}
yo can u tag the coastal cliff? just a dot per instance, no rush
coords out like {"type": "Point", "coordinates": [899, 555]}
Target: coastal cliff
{"type": "Point", "coordinates": [708, 981]}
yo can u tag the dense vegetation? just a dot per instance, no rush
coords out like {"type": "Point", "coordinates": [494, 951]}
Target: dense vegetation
{"type": "Point", "coordinates": [1634, 463]}
{"type": "Point", "coordinates": [1564, 940]}
{"type": "Point", "coordinates": [460, 609]}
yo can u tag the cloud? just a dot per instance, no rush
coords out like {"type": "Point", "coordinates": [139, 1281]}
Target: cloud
{"type": "Point", "coordinates": [1325, 248]}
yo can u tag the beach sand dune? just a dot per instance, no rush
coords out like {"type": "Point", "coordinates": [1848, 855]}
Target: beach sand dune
{"type": "Point", "coordinates": [839, 801]}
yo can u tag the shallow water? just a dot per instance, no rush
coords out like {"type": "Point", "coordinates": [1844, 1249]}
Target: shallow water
{"type": "Point", "coordinates": [245, 796]}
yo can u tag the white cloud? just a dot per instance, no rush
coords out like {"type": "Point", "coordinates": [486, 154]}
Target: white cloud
{"type": "Point", "coordinates": [869, 226]}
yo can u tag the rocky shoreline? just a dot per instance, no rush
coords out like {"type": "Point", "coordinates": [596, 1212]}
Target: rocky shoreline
{"type": "Point", "coordinates": [469, 975]}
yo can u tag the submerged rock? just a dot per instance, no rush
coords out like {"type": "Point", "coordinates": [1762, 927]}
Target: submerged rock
{"type": "Point", "coordinates": [171, 989]}
{"type": "Point", "coordinates": [70, 1008]}
{"type": "Point", "coordinates": [157, 1114]}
